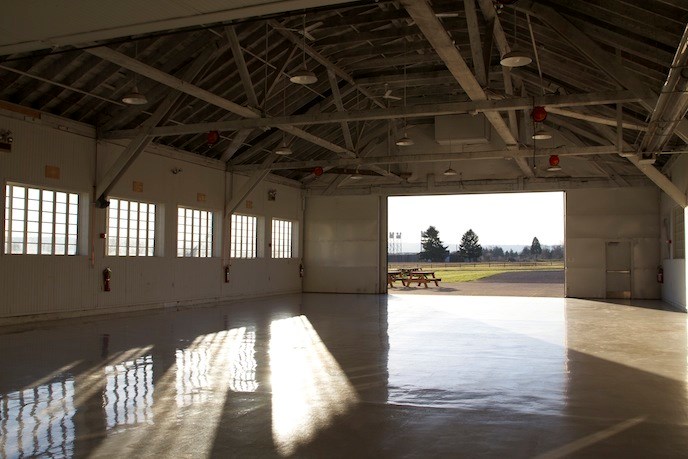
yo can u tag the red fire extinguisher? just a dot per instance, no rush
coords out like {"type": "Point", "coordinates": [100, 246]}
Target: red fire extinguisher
{"type": "Point", "coordinates": [107, 274]}
{"type": "Point", "coordinates": [660, 274]}
{"type": "Point", "coordinates": [301, 270]}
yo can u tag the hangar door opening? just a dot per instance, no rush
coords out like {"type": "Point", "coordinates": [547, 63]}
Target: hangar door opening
{"type": "Point", "coordinates": [507, 244]}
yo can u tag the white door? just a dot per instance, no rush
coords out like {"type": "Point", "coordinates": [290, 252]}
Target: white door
{"type": "Point", "coordinates": [618, 271]}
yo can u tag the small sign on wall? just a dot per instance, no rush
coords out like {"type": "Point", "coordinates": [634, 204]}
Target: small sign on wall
{"type": "Point", "coordinates": [137, 186]}
{"type": "Point", "coordinates": [200, 197]}
{"type": "Point", "coordinates": [52, 172]}
{"type": "Point", "coordinates": [249, 204]}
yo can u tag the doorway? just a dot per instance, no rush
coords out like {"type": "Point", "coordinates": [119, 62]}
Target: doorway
{"type": "Point", "coordinates": [618, 272]}
{"type": "Point", "coordinates": [507, 244]}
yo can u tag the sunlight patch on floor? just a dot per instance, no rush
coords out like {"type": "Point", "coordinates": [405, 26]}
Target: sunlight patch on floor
{"type": "Point", "coordinates": [309, 388]}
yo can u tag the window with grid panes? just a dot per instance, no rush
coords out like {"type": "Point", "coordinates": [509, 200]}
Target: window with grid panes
{"type": "Point", "coordinates": [281, 238]}
{"type": "Point", "coordinates": [244, 240]}
{"type": "Point", "coordinates": [131, 228]}
{"type": "Point", "coordinates": [679, 233]}
{"type": "Point", "coordinates": [194, 232]}
{"type": "Point", "coordinates": [40, 221]}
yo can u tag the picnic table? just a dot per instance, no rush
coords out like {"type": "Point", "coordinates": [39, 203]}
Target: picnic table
{"type": "Point", "coordinates": [394, 275]}
{"type": "Point", "coordinates": [407, 276]}
{"type": "Point", "coordinates": [422, 277]}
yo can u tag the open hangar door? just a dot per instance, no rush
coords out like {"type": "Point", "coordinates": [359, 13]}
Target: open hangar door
{"type": "Point", "coordinates": [477, 244]}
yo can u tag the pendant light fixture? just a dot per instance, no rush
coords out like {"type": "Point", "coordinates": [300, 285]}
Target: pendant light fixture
{"type": "Point", "coordinates": [554, 164]}
{"type": "Point", "coordinates": [539, 113]}
{"type": "Point", "coordinates": [135, 97]}
{"type": "Point", "coordinates": [450, 172]}
{"type": "Point", "coordinates": [541, 134]}
{"type": "Point", "coordinates": [283, 149]}
{"type": "Point", "coordinates": [515, 57]}
{"type": "Point", "coordinates": [303, 75]}
{"type": "Point", "coordinates": [405, 140]}
{"type": "Point", "coordinates": [356, 175]}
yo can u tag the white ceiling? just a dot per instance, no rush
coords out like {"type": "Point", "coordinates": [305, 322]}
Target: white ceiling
{"type": "Point", "coordinates": [29, 25]}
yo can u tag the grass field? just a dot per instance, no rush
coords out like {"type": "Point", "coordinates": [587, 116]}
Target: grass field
{"type": "Point", "coordinates": [466, 272]}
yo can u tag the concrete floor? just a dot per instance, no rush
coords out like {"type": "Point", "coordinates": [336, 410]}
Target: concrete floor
{"type": "Point", "coordinates": [321, 375]}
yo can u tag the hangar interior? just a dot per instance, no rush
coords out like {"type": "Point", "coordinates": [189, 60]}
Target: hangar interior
{"type": "Point", "coordinates": [203, 154]}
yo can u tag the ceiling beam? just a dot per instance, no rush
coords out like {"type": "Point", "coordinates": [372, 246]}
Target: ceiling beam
{"type": "Point", "coordinates": [480, 186]}
{"type": "Point", "coordinates": [200, 93]}
{"type": "Point", "coordinates": [659, 179]}
{"type": "Point", "coordinates": [426, 157]}
{"type": "Point", "coordinates": [434, 32]}
{"type": "Point", "coordinates": [602, 59]}
{"type": "Point", "coordinates": [609, 171]}
{"type": "Point", "coordinates": [130, 113]}
{"type": "Point", "coordinates": [596, 119]}
{"type": "Point", "coordinates": [672, 103]}
{"type": "Point", "coordinates": [252, 182]}
{"type": "Point", "coordinates": [337, 96]}
{"type": "Point", "coordinates": [578, 130]}
{"type": "Point", "coordinates": [484, 106]}
{"type": "Point", "coordinates": [509, 91]}
{"type": "Point", "coordinates": [341, 73]}
{"type": "Point", "coordinates": [139, 143]}
{"type": "Point", "coordinates": [476, 45]}
{"type": "Point", "coordinates": [490, 15]}
{"type": "Point", "coordinates": [240, 62]}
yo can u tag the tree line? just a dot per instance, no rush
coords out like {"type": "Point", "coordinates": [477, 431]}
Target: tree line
{"type": "Point", "coordinates": [471, 250]}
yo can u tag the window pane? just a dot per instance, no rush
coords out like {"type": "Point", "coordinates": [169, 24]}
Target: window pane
{"type": "Point", "coordinates": [281, 238]}
{"type": "Point", "coordinates": [193, 232]}
{"type": "Point", "coordinates": [130, 228]}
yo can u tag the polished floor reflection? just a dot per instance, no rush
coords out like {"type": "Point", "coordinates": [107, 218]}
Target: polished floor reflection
{"type": "Point", "coordinates": [318, 375]}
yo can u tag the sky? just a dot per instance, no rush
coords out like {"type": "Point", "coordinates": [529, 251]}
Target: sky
{"type": "Point", "coordinates": [498, 219]}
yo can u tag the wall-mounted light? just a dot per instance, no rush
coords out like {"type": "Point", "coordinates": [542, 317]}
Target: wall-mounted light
{"type": "Point", "coordinates": [176, 170]}
{"type": "Point", "coordinates": [6, 140]}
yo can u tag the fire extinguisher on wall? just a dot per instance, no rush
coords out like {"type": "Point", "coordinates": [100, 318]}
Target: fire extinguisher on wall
{"type": "Point", "coordinates": [660, 274]}
{"type": "Point", "coordinates": [107, 274]}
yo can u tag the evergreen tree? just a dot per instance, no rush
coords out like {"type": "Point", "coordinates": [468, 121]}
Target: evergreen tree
{"type": "Point", "coordinates": [535, 248]}
{"type": "Point", "coordinates": [557, 252]}
{"type": "Point", "coordinates": [470, 249]}
{"type": "Point", "coordinates": [431, 244]}
{"type": "Point", "coordinates": [525, 253]}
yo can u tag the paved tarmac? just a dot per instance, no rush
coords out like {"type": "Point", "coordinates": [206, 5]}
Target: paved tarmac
{"type": "Point", "coordinates": [517, 283]}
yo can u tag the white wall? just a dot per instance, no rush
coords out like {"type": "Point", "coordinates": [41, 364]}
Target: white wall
{"type": "Point", "coordinates": [597, 216]}
{"type": "Point", "coordinates": [674, 287]}
{"type": "Point", "coordinates": [58, 285]}
{"type": "Point", "coordinates": [342, 244]}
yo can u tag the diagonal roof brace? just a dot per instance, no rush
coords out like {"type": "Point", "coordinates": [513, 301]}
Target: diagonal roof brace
{"type": "Point", "coordinates": [200, 93]}
{"type": "Point", "coordinates": [485, 106]}
{"type": "Point", "coordinates": [424, 16]}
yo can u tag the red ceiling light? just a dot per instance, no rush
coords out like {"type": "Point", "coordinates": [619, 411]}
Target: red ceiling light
{"type": "Point", "coordinates": [539, 114]}
{"type": "Point", "coordinates": [213, 137]}
{"type": "Point", "coordinates": [554, 163]}
{"type": "Point", "coordinates": [318, 171]}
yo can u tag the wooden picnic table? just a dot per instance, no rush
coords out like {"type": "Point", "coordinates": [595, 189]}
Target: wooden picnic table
{"type": "Point", "coordinates": [421, 277]}
{"type": "Point", "coordinates": [393, 275]}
